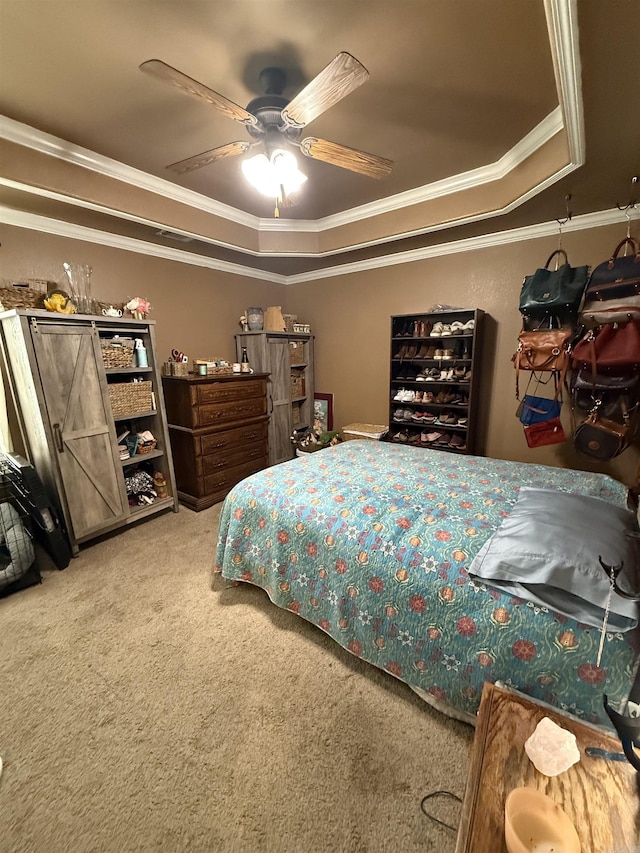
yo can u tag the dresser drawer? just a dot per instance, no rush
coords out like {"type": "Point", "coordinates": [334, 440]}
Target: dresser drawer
{"type": "Point", "coordinates": [220, 413]}
{"type": "Point", "coordinates": [223, 481]}
{"type": "Point", "coordinates": [230, 457]}
{"type": "Point", "coordinates": [230, 438]}
{"type": "Point", "coordinates": [243, 389]}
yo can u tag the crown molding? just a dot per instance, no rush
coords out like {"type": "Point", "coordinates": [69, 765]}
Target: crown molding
{"type": "Point", "coordinates": [35, 222]}
{"type": "Point", "coordinates": [59, 228]}
{"type": "Point", "coordinates": [562, 24]}
{"type": "Point", "coordinates": [46, 143]}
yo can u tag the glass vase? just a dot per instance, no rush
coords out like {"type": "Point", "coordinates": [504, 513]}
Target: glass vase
{"type": "Point", "coordinates": [79, 276]}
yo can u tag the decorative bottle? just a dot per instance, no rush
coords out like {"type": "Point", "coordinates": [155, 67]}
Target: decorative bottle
{"type": "Point", "coordinates": [141, 354]}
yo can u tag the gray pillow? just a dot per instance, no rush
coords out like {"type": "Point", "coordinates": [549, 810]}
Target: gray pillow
{"type": "Point", "coordinates": [547, 551]}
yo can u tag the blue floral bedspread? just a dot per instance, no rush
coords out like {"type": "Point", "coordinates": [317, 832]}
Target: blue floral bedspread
{"type": "Point", "coordinates": [372, 543]}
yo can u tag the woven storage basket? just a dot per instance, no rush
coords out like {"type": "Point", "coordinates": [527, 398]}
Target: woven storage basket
{"type": "Point", "coordinates": [117, 353]}
{"type": "Point", "coordinates": [297, 386]}
{"type": "Point", "coordinates": [21, 297]}
{"type": "Point", "coordinates": [296, 352]}
{"type": "Point", "coordinates": [130, 397]}
{"type": "Point", "coordinates": [366, 432]}
{"type": "Point", "coordinates": [141, 449]}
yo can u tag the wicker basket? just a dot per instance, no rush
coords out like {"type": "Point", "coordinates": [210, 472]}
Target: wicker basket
{"type": "Point", "coordinates": [20, 297]}
{"type": "Point", "coordinates": [366, 432]}
{"type": "Point", "coordinates": [117, 352]}
{"type": "Point", "coordinates": [297, 385]}
{"type": "Point", "coordinates": [130, 397]}
{"type": "Point", "coordinates": [296, 353]}
{"type": "Point", "coordinates": [141, 449]}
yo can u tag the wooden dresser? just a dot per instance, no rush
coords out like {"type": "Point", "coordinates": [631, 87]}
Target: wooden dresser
{"type": "Point", "coordinates": [218, 428]}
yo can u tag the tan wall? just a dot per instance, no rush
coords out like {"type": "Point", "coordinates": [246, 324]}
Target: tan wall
{"type": "Point", "coordinates": [197, 311]}
{"type": "Point", "coordinates": [350, 317]}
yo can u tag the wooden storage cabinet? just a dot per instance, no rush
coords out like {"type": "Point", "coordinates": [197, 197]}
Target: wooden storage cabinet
{"type": "Point", "coordinates": [68, 427]}
{"type": "Point", "coordinates": [434, 378]}
{"type": "Point", "coordinates": [218, 432]}
{"type": "Point", "coordinates": [288, 360]}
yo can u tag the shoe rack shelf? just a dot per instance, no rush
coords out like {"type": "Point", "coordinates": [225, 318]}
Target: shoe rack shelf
{"type": "Point", "coordinates": [433, 397]}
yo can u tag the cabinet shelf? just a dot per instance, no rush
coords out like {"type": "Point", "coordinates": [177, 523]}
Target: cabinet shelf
{"type": "Point", "coordinates": [61, 364]}
{"type": "Point", "coordinates": [140, 457]}
{"type": "Point", "coordinates": [132, 416]}
{"type": "Point", "coordinates": [288, 359]}
{"type": "Point", "coordinates": [113, 371]}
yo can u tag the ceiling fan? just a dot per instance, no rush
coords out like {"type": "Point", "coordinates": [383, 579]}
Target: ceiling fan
{"type": "Point", "coordinates": [275, 123]}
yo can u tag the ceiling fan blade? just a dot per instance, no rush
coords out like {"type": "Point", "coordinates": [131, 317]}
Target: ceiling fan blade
{"type": "Point", "coordinates": [168, 74]}
{"type": "Point", "coordinates": [347, 158]}
{"type": "Point", "coordinates": [340, 77]}
{"type": "Point", "coordinates": [231, 149]}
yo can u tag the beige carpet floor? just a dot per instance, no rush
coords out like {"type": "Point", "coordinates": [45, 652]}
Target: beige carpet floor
{"type": "Point", "coordinates": [147, 705]}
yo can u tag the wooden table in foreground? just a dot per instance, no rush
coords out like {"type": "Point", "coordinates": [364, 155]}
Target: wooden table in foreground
{"type": "Point", "coordinates": [601, 797]}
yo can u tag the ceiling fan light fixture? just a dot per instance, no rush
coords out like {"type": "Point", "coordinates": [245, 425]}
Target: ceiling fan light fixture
{"type": "Point", "coordinates": [271, 176]}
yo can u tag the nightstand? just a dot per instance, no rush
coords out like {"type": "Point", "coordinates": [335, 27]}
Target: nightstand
{"type": "Point", "coordinates": [601, 797]}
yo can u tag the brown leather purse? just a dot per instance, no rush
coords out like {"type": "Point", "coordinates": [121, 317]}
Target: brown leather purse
{"type": "Point", "coordinates": [543, 350]}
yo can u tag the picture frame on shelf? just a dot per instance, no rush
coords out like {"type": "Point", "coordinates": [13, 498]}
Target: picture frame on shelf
{"type": "Point", "coordinates": [322, 413]}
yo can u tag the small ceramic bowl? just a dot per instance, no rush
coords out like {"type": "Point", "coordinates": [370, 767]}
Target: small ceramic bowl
{"type": "Point", "coordinates": [534, 823]}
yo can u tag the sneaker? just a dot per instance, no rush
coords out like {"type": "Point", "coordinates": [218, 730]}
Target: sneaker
{"type": "Point", "coordinates": [447, 354]}
{"type": "Point", "coordinates": [457, 327]}
{"type": "Point", "coordinates": [436, 330]}
{"type": "Point", "coordinates": [446, 330]}
{"type": "Point", "coordinates": [399, 394]}
{"type": "Point", "coordinates": [408, 396]}
{"type": "Point", "coordinates": [398, 415]}
{"type": "Point", "coordinates": [469, 326]}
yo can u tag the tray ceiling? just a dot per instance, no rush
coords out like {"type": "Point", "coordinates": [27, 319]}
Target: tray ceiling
{"type": "Point", "coordinates": [479, 106]}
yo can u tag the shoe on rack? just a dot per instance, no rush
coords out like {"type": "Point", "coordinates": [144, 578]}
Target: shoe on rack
{"type": "Point", "coordinates": [438, 353]}
{"type": "Point", "coordinates": [429, 417]}
{"type": "Point", "coordinates": [447, 418]}
{"type": "Point", "coordinates": [436, 330]}
{"type": "Point", "coordinates": [408, 396]}
{"type": "Point", "coordinates": [446, 330]}
{"type": "Point", "coordinates": [416, 417]}
{"type": "Point", "coordinates": [403, 436]}
{"type": "Point", "coordinates": [432, 437]}
{"type": "Point", "coordinates": [463, 421]}
{"type": "Point", "coordinates": [418, 397]}
{"type": "Point", "coordinates": [447, 354]}
{"type": "Point", "coordinates": [423, 352]}
{"type": "Point", "coordinates": [427, 397]}
{"type": "Point", "coordinates": [459, 372]}
{"type": "Point", "coordinates": [458, 442]}
{"type": "Point", "coordinates": [414, 439]}
{"type": "Point", "coordinates": [456, 327]}
{"type": "Point", "coordinates": [446, 375]}
{"type": "Point", "coordinates": [421, 377]}
{"type": "Point", "coordinates": [398, 395]}
{"type": "Point", "coordinates": [469, 326]}
{"type": "Point", "coordinates": [444, 440]}
{"type": "Point", "coordinates": [398, 415]}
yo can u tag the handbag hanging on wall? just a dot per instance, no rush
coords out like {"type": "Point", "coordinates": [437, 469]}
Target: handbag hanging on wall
{"type": "Point", "coordinates": [617, 278]}
{"type": "Point", "coordinates": [553, 291]}
{"type": "Point", "coordinates": [545, 432]}
{"type": "Point", "coordinates": [609, 348]}
{"type": "Point", "coordinates": [600, 437]}
{"type": "Point", "coordinates": [543, 351]}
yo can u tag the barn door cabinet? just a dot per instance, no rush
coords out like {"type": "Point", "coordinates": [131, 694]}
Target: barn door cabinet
{"type": "Point", "coordinates": [288, 359]}
{"type": "Point", "coordinates": [68, 408]}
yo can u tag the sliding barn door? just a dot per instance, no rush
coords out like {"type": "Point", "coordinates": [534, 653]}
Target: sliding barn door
{"type": "Point", "coordinates": [81, 425]}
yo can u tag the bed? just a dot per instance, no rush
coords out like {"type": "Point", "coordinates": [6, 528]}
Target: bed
{"type": "Point", "coordinates": [373, 542]}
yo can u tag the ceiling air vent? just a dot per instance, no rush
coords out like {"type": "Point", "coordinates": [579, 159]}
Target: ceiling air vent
{"type": "Point", "coordinates": [179, 238]}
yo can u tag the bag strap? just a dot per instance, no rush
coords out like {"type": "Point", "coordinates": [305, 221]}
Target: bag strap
{"type": "Point", "coordinates": [634, 245]}
{"type": "Point", "coordinates": [553, 254]}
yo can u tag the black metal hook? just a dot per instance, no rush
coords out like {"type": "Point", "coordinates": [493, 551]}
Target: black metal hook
{"type": "Point", "coordinates": [633, 201]}
{"type": "Point", "coordinates": [564, 221]}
